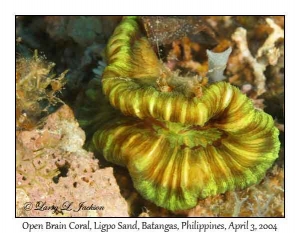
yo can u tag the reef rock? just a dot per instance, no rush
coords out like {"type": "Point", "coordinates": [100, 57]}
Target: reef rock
{"type": "Point", "coordinates": [55, 176]}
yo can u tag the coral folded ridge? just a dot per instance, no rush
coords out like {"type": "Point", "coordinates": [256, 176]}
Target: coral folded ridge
{"type": "Point", "coordinates": [179, 147]}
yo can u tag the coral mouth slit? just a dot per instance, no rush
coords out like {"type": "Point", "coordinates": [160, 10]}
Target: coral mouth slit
{"type": "Point", "coordinates": [177, 147]}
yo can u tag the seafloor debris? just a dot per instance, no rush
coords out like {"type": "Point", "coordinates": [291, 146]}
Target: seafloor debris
{"type": "Point", "coordinates": [53, 171]}
{"type": "Point", "coordinates": [262, 200]}
{"type": "Point", "coordinates": [268, 49]}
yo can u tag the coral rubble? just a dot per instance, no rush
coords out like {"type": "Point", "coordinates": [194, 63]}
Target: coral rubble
{"type": "Point", "coordinates": [265, 199]}
{"type": "Point", "coordinates": [268, 49]}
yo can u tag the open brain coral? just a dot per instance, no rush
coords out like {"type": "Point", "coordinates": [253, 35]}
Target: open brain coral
{"type": "Point", "coordinates": [179, 144]}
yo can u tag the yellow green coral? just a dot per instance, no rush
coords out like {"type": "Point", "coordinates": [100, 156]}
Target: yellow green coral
{"type": "Point", "coordinates": [178, 147]}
